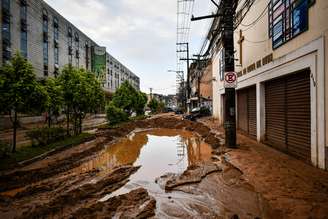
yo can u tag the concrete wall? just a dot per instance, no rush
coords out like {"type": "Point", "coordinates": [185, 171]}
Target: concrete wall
{"type": "Point", "coordinates": [206, 85]}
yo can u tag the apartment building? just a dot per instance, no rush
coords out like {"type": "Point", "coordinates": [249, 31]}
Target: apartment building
{"type": "Point", "coordinates": [49, 41]}
{"type": "Point", "coordinates": [201, 83]}
{"type": "Point", "coordinates": [117, 73]}
{"type": "Point", "coordinates": [281, 59]}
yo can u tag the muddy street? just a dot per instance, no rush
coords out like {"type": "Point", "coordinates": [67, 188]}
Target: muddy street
{"type": "Point", "coordinates": [162, 167]}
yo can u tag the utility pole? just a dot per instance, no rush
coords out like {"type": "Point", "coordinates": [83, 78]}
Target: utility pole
{"type": "Point", "coordinates": [228, 45]}
{"type": "Point", "coordinates": [188, 70]}
{"type": "Point", "coordinates": [226, 13]}
{"type": "Point", "coordinates": [151, 93]}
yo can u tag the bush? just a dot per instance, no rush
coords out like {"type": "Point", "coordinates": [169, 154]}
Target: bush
{"type": "Point", "coordinates": [4, 149]}
{"type": "Point", "coordinates": [44, 136]}
{"type": "Point", "coordinates": [115, 115]}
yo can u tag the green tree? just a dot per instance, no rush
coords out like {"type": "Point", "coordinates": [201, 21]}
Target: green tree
{"type": "Point", "coordinates": [20, 91]}
{"type": "Point", "coordinates": [140, 103]}
{"type": "Point", "coordinates": [55, 98]}
{"type": "Point", "coordinates": [115, 115]}
{"type": "Point", "coordinates": [153, 105]}
{"type": "Point", "coordinates": [125, 97]}
{"type": "Point", "coordinates": [82, 94]}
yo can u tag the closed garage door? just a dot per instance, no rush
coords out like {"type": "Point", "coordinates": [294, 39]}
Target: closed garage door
{"type": "Point", "coordinates": [247, 111]}
{"type": "Point", "coordinates": [288, 114]}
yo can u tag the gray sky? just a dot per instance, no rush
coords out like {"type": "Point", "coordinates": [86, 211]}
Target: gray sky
{"type": "Point", "coordinates": [139, 33]}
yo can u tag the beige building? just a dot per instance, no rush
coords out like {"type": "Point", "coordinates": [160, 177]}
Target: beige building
{"type": "Point", "coordinates": [281, 60]}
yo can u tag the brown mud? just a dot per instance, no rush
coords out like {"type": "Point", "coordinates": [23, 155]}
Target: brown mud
{"type": "Point", "coordinates": [70, 185]}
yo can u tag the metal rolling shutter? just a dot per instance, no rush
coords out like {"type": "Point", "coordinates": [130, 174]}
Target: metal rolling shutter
{"type": "Point", "coordinates": [252, 112]}
{"type": "Point", "coordinates": [275, 115]}
{"type": "Point", "coordinates": [288, 114]}
{"type": "Point", "coordinates": [242, 110]}
{"type": "Point", "coordinates": [247, 111]}
{"type": "Point", "coordinates": [299, 115]}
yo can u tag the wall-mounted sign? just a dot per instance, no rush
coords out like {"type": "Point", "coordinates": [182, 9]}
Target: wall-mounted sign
{"type": "Point", "coordinates": [230, 80]}
{"type": "Point", "coordinates": [99, 63]}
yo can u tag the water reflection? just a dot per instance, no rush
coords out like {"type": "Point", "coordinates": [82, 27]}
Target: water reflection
{"type": "Point", "coordinates": [158, 151]}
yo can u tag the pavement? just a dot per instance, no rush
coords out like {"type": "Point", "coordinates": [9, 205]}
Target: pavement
{"type": "Point", "coordinates": [89, 123]}
{"type": "Point", "coordinates": [297, 188]}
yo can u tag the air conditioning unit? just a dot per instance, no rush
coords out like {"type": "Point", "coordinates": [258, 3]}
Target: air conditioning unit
{"type": "Point", "coordinates": [56, 66]}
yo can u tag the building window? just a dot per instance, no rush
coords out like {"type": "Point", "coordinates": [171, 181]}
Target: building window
{"type": "Point", "coordinates": [287, 19]}
{"type": "Point", "coordinates": [23, 37]}
{"type": "Point", "coordinates": [86, 55]}
{"type": "Point", "coordinates": [77, 46]}
{"type": "Point", "coordinates": [45, 42]}
{"type": "Point", "coordinates": [70, 45]}
{"type": "Point", "coordinates": [6, 36]}
{"type": "Point", "coordinates": [56, 42]}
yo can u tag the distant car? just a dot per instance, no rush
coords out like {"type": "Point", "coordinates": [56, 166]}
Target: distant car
{"type": "Point", "coordinates": [178, 111]}
{"type": "Point", "coordinates": [147, 112]}
{"type": "Point", "coordinates": [197, 112]}
{"type": "Point", "coordinates": [168, 110]}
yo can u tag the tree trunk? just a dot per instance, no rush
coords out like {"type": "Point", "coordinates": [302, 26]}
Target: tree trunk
{"type": "Point", "coordinates": [67, 124]}
{"type": "Point", "coordinates": [80, 123]}
{"type": "Point", "coordinates": [15, 132]}
{"type": "Point", "coordinates": [49, 118]}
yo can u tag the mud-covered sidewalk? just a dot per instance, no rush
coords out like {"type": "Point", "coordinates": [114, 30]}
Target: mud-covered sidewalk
{"type": "Point", "coordinates": [297, 189]}
{"type": "Point", "coordinates": [253, 181]}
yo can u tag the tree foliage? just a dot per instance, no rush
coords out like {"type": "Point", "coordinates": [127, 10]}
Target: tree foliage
{"type": "Point", "coordinates": [82, 94]}
{"type": "Point", "coordinates": [55, 98]}
{"type": "Point", "coordinates": [155, 105]}
{"type": "Point", "coordinates": [129, 99]}
{"type": "Point", "coordinates": [20, 90]}
{"type": "Point", "coordinates": [115, 115]}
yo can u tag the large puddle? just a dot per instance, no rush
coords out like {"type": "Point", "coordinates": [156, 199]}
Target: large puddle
{"type": "Point", "coordinates": [156, 151]}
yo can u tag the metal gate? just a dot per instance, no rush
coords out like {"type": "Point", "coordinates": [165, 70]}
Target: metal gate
{"type": "Point", "coordinates": [288, 114]}
{"type": "Point", "coordinates": [247, 111]}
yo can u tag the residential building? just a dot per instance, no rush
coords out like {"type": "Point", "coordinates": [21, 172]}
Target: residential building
{"type": "Point", "coordinates": [281, 51]}
{"type": "Point", "coordinates": [201, 83]}
{"type": "Point", "coordinates": [48, 40]}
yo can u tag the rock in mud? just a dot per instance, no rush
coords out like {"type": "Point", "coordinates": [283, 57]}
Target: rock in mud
{"type": "Point", "coordinates": [194, 174]}
{"type": "Point", "coordinates": [135, 204]}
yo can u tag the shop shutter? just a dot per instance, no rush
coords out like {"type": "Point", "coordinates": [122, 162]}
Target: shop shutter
{"type": "Point", "coordinates": [242, 110]}
{"type": "Point", "coordinates": [288, 114]}
{"type": "Point", "coordinates": [247, 111]}
{"type": "Point", "coordinates": [252, 112]}
{"type": "Point", "coordinates": [299, 115]}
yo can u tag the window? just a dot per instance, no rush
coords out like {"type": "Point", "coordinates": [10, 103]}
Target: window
{"type": "Point", "coordinates": [70, 45]}
{"type": "Point", "coordinates": [6, 36]}
{"type": "Point", "coordinates": [45, 42]}
{"type": "Point", "coordinates": [56, 41]}
{"type": "Point", "coordinates": [287, 19]}
{"type": "Point", "coordinates": [23, 37]}
{"type": "Point", "coordinates": [87, 55]}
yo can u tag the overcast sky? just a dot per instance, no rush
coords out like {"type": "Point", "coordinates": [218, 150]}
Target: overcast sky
{"type": "Point", "coordinates": [141, 34]}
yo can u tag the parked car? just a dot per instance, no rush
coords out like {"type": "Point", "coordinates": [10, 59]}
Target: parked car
{"type": "Point", "coordinates": [168, 110]}
{"type": "Point", "coordinates": [178, 111]}
{"type": "Point", "coordinates": [198, 112]}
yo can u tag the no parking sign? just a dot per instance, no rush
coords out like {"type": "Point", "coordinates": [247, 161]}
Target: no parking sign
{"type": "Point", "coordinates": [230, 79]}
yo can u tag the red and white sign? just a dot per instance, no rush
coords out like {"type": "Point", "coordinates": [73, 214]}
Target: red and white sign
{"type": "Point", "coordinates": [230, 79]}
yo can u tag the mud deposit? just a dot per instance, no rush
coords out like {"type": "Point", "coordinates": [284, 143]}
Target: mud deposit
{"type": "Point", "coordinates": [162, 167]}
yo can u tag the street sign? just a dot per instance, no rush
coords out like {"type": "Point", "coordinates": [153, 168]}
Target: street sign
{"type": "Point", "coordinates": [230, 80]}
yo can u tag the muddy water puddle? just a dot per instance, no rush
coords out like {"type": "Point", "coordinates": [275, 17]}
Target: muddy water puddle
{"type": "Point", "coordinates": [156, 151]}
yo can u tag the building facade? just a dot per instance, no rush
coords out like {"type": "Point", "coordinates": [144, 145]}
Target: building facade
{"type": "Point", "coordinates": [47, 40]}
{"type": "Point", "coordinates": [281, 60]}
{"type": "Point", "coordinates": [201, 83]}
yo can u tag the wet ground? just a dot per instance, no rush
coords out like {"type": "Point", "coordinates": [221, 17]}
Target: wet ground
{"type": "Point", "coordinates": [162, 167]}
